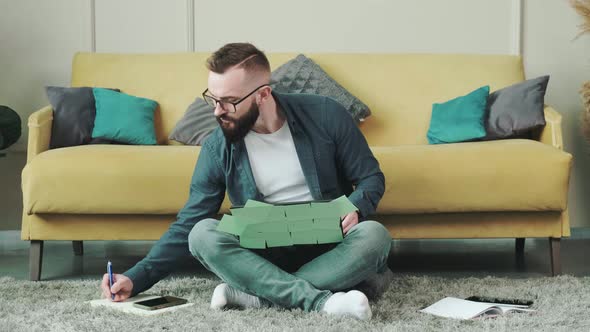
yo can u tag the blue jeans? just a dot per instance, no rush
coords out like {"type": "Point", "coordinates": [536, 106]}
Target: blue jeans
{"type": "Point", "coordinates": [296, 276]}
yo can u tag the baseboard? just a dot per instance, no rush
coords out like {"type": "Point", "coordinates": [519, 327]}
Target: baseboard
{"type": "Point", "coordinates": [580, 233]}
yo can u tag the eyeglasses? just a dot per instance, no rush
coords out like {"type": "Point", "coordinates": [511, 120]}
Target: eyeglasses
{"type": "Point", "coordinates": [225, 105]}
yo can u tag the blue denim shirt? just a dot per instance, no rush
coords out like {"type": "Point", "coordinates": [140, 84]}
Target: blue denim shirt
{"type": "Point", "coordinates": [334, 156]}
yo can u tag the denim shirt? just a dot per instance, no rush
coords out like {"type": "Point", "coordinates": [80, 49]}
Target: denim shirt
{"type": "Point", "coordinates": [334, 156]}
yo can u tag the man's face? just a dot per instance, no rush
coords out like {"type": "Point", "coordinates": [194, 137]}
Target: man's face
{"type": "Point", "coordinates": [237, 128]}
{"type": "Point", "coordinates": [230, 86]}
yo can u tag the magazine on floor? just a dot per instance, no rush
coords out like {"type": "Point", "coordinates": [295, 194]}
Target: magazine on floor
{"type": "Point", "coordinates": [452, 307]}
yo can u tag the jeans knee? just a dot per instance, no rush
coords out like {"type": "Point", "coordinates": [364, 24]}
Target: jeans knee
{"type": "Point", "coordinates": [376, 236]}
{"type": "Point", "coordinates": [201, 236]}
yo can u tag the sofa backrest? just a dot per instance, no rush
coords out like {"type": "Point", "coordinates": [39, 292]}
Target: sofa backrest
{"type": "Point", "coordinates": [398, 88]}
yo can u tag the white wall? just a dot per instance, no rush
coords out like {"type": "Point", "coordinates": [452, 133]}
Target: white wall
{"type": "Point", "coordinates": [38, 39]}
{"type": "Point", "coordinates": [549, 29]}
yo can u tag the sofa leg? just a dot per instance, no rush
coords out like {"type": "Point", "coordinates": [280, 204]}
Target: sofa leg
{"type": "Point", "coordinates": [519, 245]}
{"type": "Point", "coordinates": [78, 248]}
{"type": "Point", "coordinates": [35, 260]}
{"type": "Point", "coordinates": [554, 245]}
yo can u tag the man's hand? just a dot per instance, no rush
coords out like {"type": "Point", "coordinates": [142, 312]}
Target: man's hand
{"type": "Point", "coordinates": [349, 220]}
{"type": "Point", "coordinates": [121, 288]}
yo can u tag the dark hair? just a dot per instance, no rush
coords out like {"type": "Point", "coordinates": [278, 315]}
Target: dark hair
{"type": "Point", "coordinates": [235, 53]}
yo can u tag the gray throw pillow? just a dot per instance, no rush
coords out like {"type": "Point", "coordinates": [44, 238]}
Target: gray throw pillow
{"type": "Point", "coordinates": [303, 75]}
{"type": "Point", "coordinates": [516, 110]}
{"type": "Point", "coordinates": [195, 125]}
{"type": "Point", "coordinates": [74, 111]}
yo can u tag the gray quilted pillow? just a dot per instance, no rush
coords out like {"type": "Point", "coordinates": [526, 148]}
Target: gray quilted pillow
{"type": "Point", "coordinates": [303, 75]}
{"type": "Point", "coordinates": [196, 124]}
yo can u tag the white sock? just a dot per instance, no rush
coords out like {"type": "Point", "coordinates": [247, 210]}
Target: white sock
{"type": "Point", "coordinates": [225, 295]}
{"type": "Point", "coordinates": [353, 304]}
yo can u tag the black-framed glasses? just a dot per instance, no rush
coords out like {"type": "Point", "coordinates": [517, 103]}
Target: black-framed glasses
{"type": "Point", "coordinates": [225, 104]}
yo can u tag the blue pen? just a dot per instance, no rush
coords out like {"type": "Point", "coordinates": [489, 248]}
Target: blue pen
{"type": "Point", "coordinates": [111, 281]}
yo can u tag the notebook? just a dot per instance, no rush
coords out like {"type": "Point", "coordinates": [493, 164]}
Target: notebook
{"type": "Point", "coordinates": [127, 305]}
{"type": "Point", "coordinates": [452, 307]}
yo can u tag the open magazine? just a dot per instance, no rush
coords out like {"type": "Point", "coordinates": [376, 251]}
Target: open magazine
{"type": "Point", "coordinates": [452, 307]}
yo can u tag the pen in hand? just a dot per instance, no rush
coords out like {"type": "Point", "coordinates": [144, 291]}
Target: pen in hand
{"type": "Point", "coordinates": [111, 281]}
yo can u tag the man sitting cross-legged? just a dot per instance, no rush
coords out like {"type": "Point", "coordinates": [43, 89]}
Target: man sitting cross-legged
{"type": "Point", "coordinates": [276, 148]}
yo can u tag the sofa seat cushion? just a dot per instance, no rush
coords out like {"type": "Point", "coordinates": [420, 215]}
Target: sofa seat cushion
{"type": "Point", "coordinates": [109, 179]}
{"type": "Point", "coordinates": [503, 175]}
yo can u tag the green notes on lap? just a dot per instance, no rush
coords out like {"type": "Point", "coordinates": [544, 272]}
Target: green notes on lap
{"type": "Point", "coordinates": [260, 225]}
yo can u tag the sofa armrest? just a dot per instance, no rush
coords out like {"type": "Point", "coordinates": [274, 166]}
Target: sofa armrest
{"type": "Point", "coordinates": [39, 124]}
{"type": "Point", "coordinates": [551, 134]}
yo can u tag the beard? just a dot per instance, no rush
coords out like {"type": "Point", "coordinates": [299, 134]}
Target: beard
{"type": "Point", "coordinates": [241, 125]}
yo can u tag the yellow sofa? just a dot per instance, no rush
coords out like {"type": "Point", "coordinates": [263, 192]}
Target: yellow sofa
{"type": "Point", "coordinates": [496, 189]}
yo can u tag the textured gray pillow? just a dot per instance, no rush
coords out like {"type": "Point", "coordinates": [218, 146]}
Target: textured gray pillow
{"type": "Point", "coordinates": [303, 75]}
{"type": "Point", "coordinates": [196, 124]}
{"type": "Point", "coordinates": [516, 110]}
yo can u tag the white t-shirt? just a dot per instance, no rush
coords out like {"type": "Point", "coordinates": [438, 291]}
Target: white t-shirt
{"type": "Point", "coordinates": [276, 167]}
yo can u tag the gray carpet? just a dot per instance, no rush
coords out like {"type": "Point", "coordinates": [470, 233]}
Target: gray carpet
{"type": "Point", "coordinates": [563, 304]}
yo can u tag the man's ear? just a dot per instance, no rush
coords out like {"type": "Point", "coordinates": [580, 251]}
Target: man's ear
{"type": "Point", "coordinates": [265, 93]}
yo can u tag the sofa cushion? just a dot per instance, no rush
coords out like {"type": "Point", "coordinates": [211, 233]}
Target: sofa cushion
{"type": "Point", "coordinates": [108, 179]}
{"type": "Point", "coordinates": [516, 110]}
{"type": "Point", "coordinates": [399, 89]}
{"type": "Point", "coordinates": [504, 175]}
{"type": "Point", "coordinates": [459, 119]}
{"type": "Point", "coordinates": [124, 118]}
{"type": "Point", "coordinates": [196, 124]}
{"type": "Point", "coordinates": [303, 75]}
{"type": "Point", "coordinates": [74, 112]}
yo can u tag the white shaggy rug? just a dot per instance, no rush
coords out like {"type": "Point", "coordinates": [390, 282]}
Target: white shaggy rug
{"type": "Point", "coordinates": [562, 304]}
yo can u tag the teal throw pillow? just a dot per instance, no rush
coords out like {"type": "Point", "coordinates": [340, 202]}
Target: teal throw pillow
{"type": "Point", "coordinates": [124, 118]}
{"type": "Point", "coordinates": [460, 119]}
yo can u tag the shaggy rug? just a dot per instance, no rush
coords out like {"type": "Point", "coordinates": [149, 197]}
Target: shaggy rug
{"type": "Point", "coordinates": [562, 304]}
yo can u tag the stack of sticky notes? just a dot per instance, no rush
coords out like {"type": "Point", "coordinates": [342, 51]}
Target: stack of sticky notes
{"type": "Point", "coordinates": [260, 225]}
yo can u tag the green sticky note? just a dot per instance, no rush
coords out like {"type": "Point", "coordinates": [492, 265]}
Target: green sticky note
{"type": "Point", "coordinates": [271, 227]}
{"type": "Point", "coordinates": [324, 210]}
{"type": "Point", "coordinates": [278, 239]}
{"type": "Point", "coordinates": [228, 225]}
{"type": "Point", "coordinates": [253, 203]}
{"type": "Point", "coordinates": [255, 214]}
{"type": "Point", "coordinates": [300, 225]}
{"type": "Point", "coordinates": [343, 205]}
{"type": "Point", "coordinates": [252, 243]}
{"type": "Point", "coordinates": [252, 239]}
{"type": "Point", "coordinates": [303, 237]}
{"type": "Point", "coordinates": [277, 213]}
{"type": "Point", "coordinates": [328, 236]}
{"type": "Point", "coordinates": [298, 211]}
{"type": "Point", "coordinates": [327, 223]}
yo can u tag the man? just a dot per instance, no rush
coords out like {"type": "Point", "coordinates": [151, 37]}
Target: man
{"type": "Point", "coordinates": [275, 148]}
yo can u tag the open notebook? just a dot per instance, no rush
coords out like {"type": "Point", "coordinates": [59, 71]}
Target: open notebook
{"type": "Point", "coordinates": [452, 307]}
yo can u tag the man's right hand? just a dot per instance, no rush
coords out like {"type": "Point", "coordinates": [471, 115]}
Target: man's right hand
{"type": "Point", "coordinates": [121, 288]}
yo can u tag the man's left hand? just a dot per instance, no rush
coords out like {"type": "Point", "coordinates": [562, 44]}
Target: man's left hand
{"type": "Point", "coordinates": [349, 220]}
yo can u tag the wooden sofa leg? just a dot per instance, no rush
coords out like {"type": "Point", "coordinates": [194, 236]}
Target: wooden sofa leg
{"type": "Point", "coordinates": [35, 260]}
{"type": "Point", "coordinates": [554, 245]}
{"type": "Point", "coordinates": [78, 248]}
{"type": "Point", "coordinates": [519, 245]}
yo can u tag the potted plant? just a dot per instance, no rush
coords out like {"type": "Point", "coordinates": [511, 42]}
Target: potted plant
{"type": "Point", "coordinates": [10, 130]}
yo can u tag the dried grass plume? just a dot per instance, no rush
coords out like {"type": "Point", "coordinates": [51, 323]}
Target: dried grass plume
{"type": "Point", "coordinates": [582, 7]}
